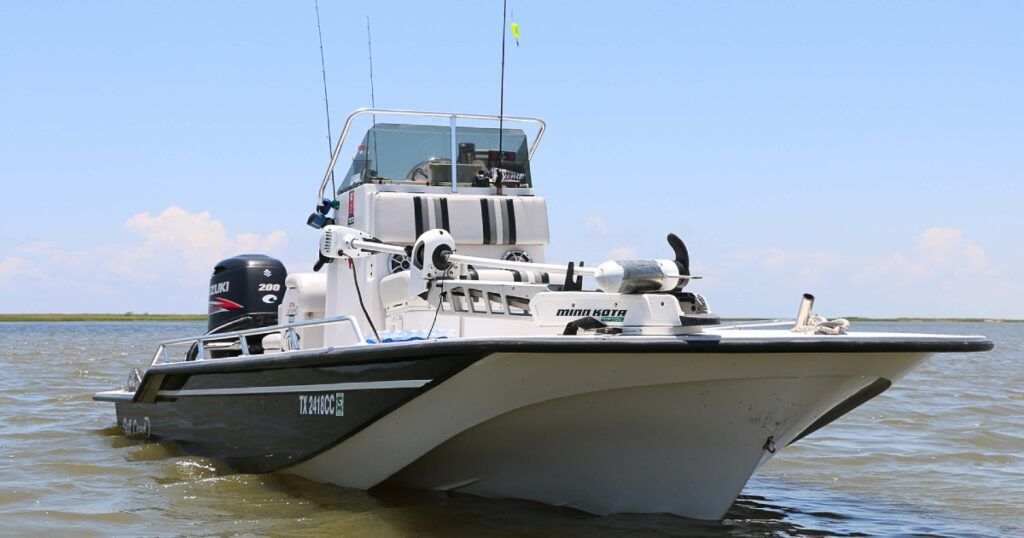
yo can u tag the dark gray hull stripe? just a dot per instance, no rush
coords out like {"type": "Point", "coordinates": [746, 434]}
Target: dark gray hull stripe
{"type": "Point", "coordinates": [485, 218]}
{"type": "Point", "coordinates": [429, 349]}
{"type": "Point", "coordinates": [444, 215]}
{"type": "Point", "coordinates": [430, 213]}
{"type": "Point", "coordinates": [419, 215]}
{"type": "Point", "coordinates": [366, 385]}
{"type": "Point", "coordinates": [510, 220]}
{"type": "Point", "coordinates": [497, 218]}
{"type": "Point", "coordinates": [440, 216]}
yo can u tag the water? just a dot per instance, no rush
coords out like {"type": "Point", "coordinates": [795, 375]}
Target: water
{"type": "Point", "coordinates": [942, 453]}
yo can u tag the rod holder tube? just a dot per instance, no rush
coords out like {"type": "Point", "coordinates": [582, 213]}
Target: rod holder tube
{"type": "Point", "coordinates": [454, 155]}
{"type": "Point", "coordinates": [804, 313]}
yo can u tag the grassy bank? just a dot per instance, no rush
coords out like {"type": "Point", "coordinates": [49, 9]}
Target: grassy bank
{"type": "Point", "coordinates": [128, 316]}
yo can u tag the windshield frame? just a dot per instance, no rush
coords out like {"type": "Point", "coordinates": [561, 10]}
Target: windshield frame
{"type": "Point", "coordinates": [453, 120]}
{"type": "Point", "coordinates": [389, 152]}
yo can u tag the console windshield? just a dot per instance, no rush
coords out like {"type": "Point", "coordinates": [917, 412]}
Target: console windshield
{"type": "Point", "coordinates": [421, 154]}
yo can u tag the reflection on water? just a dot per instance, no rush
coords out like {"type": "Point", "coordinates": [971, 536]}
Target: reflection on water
{"type": "Point", "coordinates": [942, 453]}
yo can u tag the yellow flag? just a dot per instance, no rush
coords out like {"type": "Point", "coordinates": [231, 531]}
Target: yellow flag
{"type": "Point", "coordinates": [515, 32]}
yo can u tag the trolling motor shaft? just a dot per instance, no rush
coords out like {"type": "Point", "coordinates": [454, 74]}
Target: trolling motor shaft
{"type": "Point", "coordinates": [434, 252]}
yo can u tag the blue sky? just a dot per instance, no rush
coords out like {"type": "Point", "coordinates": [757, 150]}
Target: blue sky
{"type": "Point", "coordinates": [868, 152]}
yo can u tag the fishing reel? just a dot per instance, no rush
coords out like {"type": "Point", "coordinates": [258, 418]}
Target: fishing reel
{"type": "Point", "coordinates": [318, 220]}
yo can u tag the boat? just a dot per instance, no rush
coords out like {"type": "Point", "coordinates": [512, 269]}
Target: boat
{"type": "Point", "coordinates": [434, 347]}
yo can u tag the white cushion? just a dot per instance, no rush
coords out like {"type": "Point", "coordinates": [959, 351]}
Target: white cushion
{"type": "Point", "coordinates": [394, 288]}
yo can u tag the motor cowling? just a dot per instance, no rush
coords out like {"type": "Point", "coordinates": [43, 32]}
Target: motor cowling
{"type": "Point", "coordinates": [245, 292]}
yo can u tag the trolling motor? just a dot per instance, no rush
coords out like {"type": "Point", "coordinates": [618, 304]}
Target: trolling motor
{"type": "Point", "coordinates": [631, 298]}
{"type": "Point", "coordinates": [434, 253]}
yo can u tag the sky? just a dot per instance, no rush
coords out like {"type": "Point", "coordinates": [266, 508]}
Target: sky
{"type": "Point", "coordinates": [871, 153]}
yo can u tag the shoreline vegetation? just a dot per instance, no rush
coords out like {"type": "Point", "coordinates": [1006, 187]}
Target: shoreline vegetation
{"type": "Point", "coordinates": [131, 316]}
{"type": "Point", "coordinates": [127, 316]}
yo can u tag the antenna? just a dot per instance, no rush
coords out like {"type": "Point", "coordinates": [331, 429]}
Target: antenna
{"type": "Point", "coordinates": [369, 48]}
{"type": "Point", "coordinates": [373, 100]}
{"type": "Point", "coordinates": [501, 99]}
{"type": "Point", "coordinates": [327, 105]}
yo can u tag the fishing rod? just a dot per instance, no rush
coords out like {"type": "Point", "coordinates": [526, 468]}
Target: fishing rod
{"type": "Point", "coordinates": [373, 99]}
{"type": "Point", "coordinates": [369, 48]}
{"type": "Point", "coordinates": [327, 105]}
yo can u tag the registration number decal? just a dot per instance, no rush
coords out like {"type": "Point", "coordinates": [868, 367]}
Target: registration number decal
{"type": "Point", "coordinates": [322, 404]}
{"type": "Point", "coordinates": [135, 427]}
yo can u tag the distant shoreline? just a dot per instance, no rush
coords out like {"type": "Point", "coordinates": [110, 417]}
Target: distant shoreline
{"type": "Point", "coordinates": [130, 316]}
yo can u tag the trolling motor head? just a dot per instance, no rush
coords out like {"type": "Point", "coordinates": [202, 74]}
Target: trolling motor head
{"type": "Point", "coordinates": [682, 255]}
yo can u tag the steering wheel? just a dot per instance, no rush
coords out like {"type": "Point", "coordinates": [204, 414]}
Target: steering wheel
{"type": "Point", "coordinates": [418, 168]}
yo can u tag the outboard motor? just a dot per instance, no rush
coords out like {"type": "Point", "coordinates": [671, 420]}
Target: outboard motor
{"type": "Point", "coordinates": [244, 293]}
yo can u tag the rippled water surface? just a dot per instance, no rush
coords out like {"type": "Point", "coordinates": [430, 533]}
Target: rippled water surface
{"type": "Point", "coordinates": [941, 453]}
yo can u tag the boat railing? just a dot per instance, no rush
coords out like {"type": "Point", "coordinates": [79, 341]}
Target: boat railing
{"type": "Point", "coordinates": [453, 117]}
{"type": "Point", "coordinates": [237, 339]}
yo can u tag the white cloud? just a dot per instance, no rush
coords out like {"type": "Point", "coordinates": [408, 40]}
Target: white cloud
{"type": "Point", "coordinates": [13, 269]}
{"type": "Point", "coordinates": [622, 253]}
{"type": "Point", "coordinates": [939, 273]}
{"type": "Point", "coordinates": [807, 266]}
{"type": "Point", "coordinates": [260, 243]}
{"type": "Point", "coordinates": [174, 248]}
{"type": "Point", "coordinates": [939, 255]}
{"type": "Point", "coordinates": [192, 242]}
{"type": "Point", "coordinates": [596, 223]}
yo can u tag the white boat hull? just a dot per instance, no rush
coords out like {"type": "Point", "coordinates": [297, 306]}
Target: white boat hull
{"type": "Point", "coordinates": [604, 433]}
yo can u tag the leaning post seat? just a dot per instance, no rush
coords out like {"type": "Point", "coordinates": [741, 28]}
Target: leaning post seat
{"type": "Point", "coordinates": [472, 220]}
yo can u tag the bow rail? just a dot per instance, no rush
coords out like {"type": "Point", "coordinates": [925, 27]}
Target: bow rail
{"type": "Point", "coordinates": [236, 339]}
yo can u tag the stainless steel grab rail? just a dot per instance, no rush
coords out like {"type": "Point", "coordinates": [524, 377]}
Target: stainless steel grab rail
{"type": "Point", "coordinates": [453, 116]}
{"type": "Point", "coordinates": [289, 337]}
